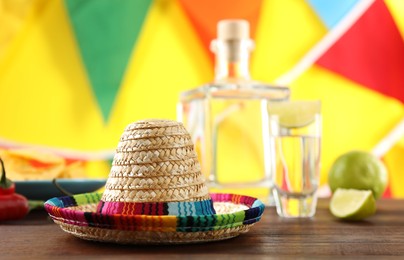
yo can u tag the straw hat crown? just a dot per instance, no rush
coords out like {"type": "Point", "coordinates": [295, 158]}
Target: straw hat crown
{"type": "Point", "coordinates": [155, 171]}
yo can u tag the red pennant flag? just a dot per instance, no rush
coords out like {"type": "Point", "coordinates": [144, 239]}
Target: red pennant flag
{"type": "Point", "coordinates": [371, 53]}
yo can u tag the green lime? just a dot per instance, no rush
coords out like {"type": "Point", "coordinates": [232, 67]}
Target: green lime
{"type": "Point", "coordinates": [294, 114]}
{"type": "Point", "coordinates": [352, 204]}
{"type": "Point", "coordinates": [358, 170]}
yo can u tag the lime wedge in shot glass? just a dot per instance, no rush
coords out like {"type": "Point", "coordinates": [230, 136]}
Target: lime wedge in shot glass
{"type": "Point", "coordinates": [294, 114]}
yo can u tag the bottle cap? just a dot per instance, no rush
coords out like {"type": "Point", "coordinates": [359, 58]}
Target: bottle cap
{"type": "Point", "coordinates": [234, 29]}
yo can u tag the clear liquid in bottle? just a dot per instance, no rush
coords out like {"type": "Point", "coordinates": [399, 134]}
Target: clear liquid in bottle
{"type": "Point", "coordinates": [227, 118]}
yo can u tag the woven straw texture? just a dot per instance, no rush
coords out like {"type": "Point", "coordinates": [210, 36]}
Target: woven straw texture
{"type": "Point", "coordinates": [151, 237]}
{"type": "Point", "coordinates": [155, 162]}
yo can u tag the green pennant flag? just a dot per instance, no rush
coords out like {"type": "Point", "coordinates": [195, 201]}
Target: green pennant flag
{"type": "Point", "coordinates": [106, 32]}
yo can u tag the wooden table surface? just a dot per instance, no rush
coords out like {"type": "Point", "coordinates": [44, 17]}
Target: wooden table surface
{"type": "Point", "coordinates": [37, 237]}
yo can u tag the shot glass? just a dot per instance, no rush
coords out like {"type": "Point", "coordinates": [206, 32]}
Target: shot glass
{"type": "Point", "coordinates": [295, 142]}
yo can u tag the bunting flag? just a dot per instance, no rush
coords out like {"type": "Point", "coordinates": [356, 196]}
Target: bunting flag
{"type": "Point", "coordinates": [332, 12]}
{"type": "Point", "coordinates": [370, 53]}
{"type": "Point", "coordinates": [97, 34]}
{"type": "Point", "coordinates": [204, 16]}
{"type": "Point", "coordinates": [74, 73]}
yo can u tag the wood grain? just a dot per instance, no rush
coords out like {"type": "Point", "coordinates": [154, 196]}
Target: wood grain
{"type": "Point", "coordinates": [37, 236]}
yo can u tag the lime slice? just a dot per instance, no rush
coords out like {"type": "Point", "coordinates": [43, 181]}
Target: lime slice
{"type": "Point", "coordinates": [352, 204]}
{"type": "Point", "coordinates": [293, 114]}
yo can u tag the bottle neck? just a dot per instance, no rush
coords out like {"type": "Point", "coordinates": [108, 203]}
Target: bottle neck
{"type": "Point", "coordinates": [232, 60]}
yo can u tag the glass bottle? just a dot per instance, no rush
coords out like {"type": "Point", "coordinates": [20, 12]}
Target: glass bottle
{"type": "Point", "coordinates": [227, 118]}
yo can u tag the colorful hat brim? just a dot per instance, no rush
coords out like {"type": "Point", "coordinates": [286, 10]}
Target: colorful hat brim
{"type": "Point", "coordinates": [235, 214]}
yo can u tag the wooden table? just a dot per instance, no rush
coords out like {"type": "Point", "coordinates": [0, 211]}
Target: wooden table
{"type": "Point", "coordinates": [37, 237]}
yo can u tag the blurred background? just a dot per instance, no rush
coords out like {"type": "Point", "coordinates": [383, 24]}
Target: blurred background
{"type": "Point", "coordinates": [74, 73]}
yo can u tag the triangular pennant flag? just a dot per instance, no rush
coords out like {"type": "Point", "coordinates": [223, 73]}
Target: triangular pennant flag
{"type": "Point", "coordinates": [106, 33]}
{"type": "Point", "coordinates": [204, 15]}
{"type": "Point", "coordinates": [331, 12]}
{"type": "Point", "coordinates": [371, 53]}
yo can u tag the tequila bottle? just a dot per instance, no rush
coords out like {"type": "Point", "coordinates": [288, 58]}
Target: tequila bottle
{"type": "Point", "coordinates": [227, 118]}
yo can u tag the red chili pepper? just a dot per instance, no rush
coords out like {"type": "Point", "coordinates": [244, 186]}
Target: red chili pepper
{"type": "Point", "coordinates": [12, 205]}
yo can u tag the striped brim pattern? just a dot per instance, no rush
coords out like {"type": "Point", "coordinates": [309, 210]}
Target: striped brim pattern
{"type": "Point", "coordinates": [78, 215]}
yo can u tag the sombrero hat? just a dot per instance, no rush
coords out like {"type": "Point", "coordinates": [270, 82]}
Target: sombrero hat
{"type": "Point", "coordinates": [155, 194]}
